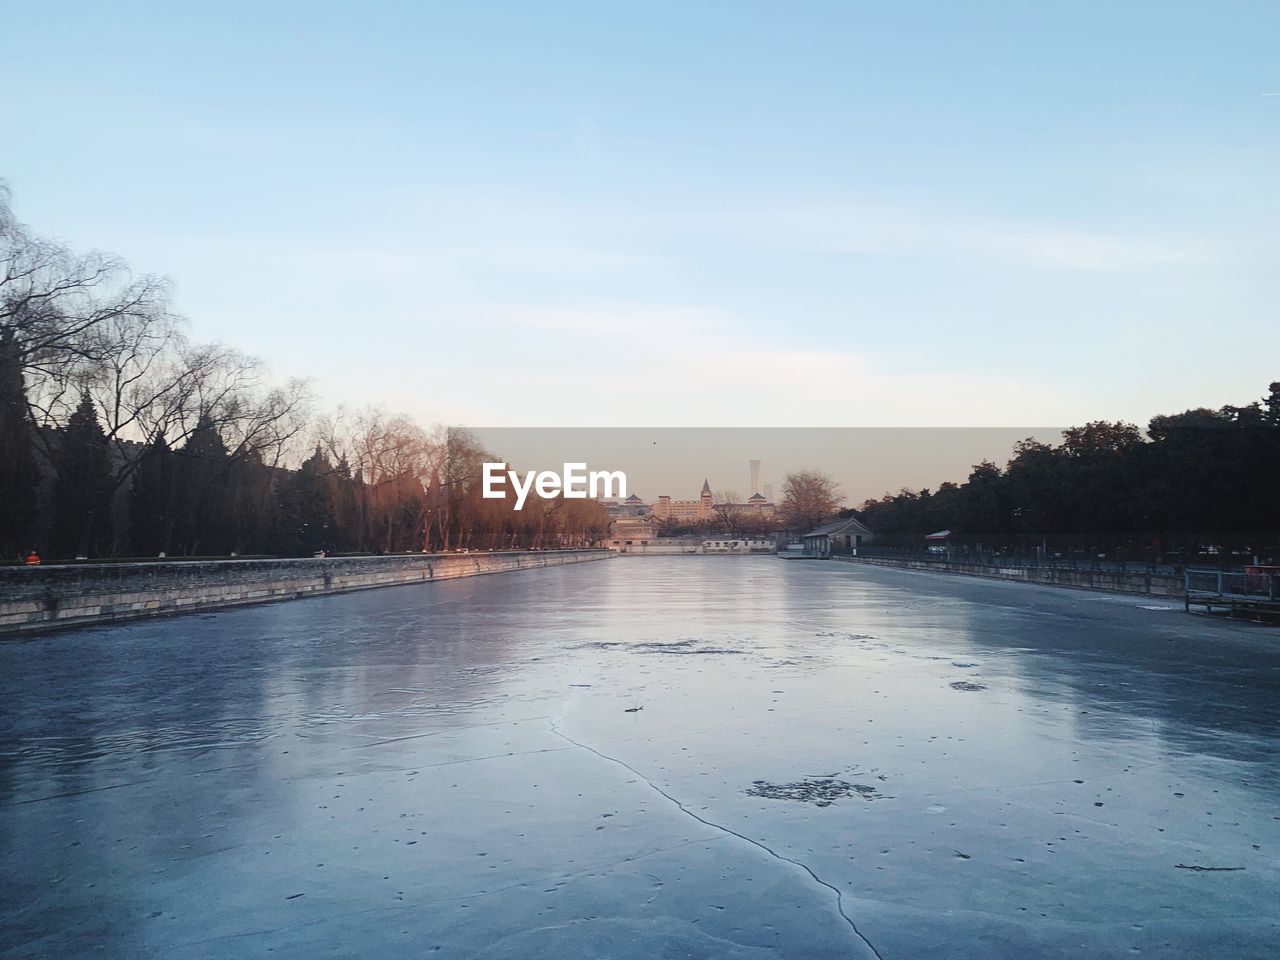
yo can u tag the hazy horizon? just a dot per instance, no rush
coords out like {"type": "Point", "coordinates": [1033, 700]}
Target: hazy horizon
{"type": "Point", "coordinates": [867, 462]}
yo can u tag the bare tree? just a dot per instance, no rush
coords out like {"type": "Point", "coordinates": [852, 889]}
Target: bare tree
{"type": "Point", "coordinates": [729, 513]}
{"type": "Point", "coordinates": [64, 310]}
{"type": "Point", "coordinates": [82, 335]}
{"type": "Point", "coordinates": [150, 382]}
{"type": "Point", "coordinates": [458, 485]}
{"type": "Point", "coordinates": [808, 498]}
{"type": "Point", "coordinates": [231, 390]}
{"type": "Point", "coordinates": [397, 462]}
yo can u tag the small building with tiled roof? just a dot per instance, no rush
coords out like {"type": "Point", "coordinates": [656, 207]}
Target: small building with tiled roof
{"type": "Point", "coordinates": [840, 536]}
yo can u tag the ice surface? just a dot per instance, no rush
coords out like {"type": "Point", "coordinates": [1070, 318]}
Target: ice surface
{"type": "Point", "coordinates": [649, 757]}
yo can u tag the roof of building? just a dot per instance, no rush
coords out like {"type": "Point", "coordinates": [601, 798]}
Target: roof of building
{"type": "Point", "coordinates": [634, 498]}
{"type": "Point", "coordinates": [706, 486]}
{"type": "Point", "coordinates": [940, 535]}
{"type": "Point", "coordinates": [839, 526]}
{"type": "Point", "coordinates": [756, 498]}
{"type": "Point", "coordinates": [632, 523]}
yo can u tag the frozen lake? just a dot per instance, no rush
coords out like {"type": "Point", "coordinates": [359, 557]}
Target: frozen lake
{"type": "Point", "coordinates": [643, 758]}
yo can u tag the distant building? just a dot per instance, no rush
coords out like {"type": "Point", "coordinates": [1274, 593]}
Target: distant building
{"type": "Point", "coordinates": [633, 506]}
{"type": "Point", "coordinates": [633, 527]}
{"type": "Point", "coordinates": [686, 511]}
{"type": "Point", "coordinates": [738, 545]}
{"type": "Point", "coordinates": [639, 535]}
{"type": "Point", "coordinates": [705, 509]}
{"type": "Point", "coordinates": [757, 505]}
{"type": "Point", "coordinates": [938, 544]}
{"type": "Point", "coordinates": [838, 537]}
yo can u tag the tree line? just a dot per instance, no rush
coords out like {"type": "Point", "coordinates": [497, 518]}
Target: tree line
{"type": "Point", "coordinates": [1193, 480]}
{"type": "Point", "coordinates": [120, 436]}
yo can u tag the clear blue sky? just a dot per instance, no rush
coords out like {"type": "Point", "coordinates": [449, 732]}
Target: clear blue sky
{"type": "Point", "coordinates": [926, 213]}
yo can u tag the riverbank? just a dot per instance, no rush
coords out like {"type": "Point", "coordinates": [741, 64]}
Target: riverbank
{"type": "Point", "coordinates": [1110, 581]}
{"type": "Point", "coordinates": [53, 597]}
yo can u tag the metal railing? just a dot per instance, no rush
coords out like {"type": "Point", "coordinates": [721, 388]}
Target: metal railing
{"type": "Point", "coordinates": [1075, 560]}
{"type": "Point", "coordinates": [1252, 585]}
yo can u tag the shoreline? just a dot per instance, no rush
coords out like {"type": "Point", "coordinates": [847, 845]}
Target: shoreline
{"type": "Point", "coordinates": [41, 599]}
{"type": "Point", "coordinates": [1100, 581]}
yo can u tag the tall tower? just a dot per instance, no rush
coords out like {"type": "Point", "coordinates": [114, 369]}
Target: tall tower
{"type": "Point", "coordinates": [706, 498]}
{"type": "Point", "coordinates": [755, 477]}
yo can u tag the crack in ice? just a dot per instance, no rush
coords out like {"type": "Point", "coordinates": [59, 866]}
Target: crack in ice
{"type": "Point", "coordinates": [733, 833]}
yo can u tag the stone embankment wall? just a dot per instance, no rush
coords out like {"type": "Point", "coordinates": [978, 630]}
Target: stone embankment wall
{"type": "Point", "coordinates": [1156, 584]}
{"type": "Point", "coordinates": [49, 597]}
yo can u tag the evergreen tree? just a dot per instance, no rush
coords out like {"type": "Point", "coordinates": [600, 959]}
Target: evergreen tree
{"type": "Point", "coordinates": [313, 505]}
{"type": "Point", "coordinates": [1194, 478]}
{"type": "Point", "coordinates": [202, 509]}
{"type": "Point", "coordinates": [151, 501]}
{"type": "Point", "coordinates": [304, 521]}
{"type": "Point", "coordinates": [18, 474]}
{"type": "Point", "coordinates": [82, 494]}
{"type": "Point", "coordinates": [343, 495]}
{"type": "Point", "coordinates": [249, 502]}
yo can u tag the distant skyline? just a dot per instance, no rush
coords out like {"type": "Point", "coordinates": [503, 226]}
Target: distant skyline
{"type": "Point", "coordinates": [811, 214]}
{"type": "Point", "coordinates": [866, 462]}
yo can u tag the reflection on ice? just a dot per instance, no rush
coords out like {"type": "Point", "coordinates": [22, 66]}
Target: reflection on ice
{"type": "Point", "coordinates": [647, 757]}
